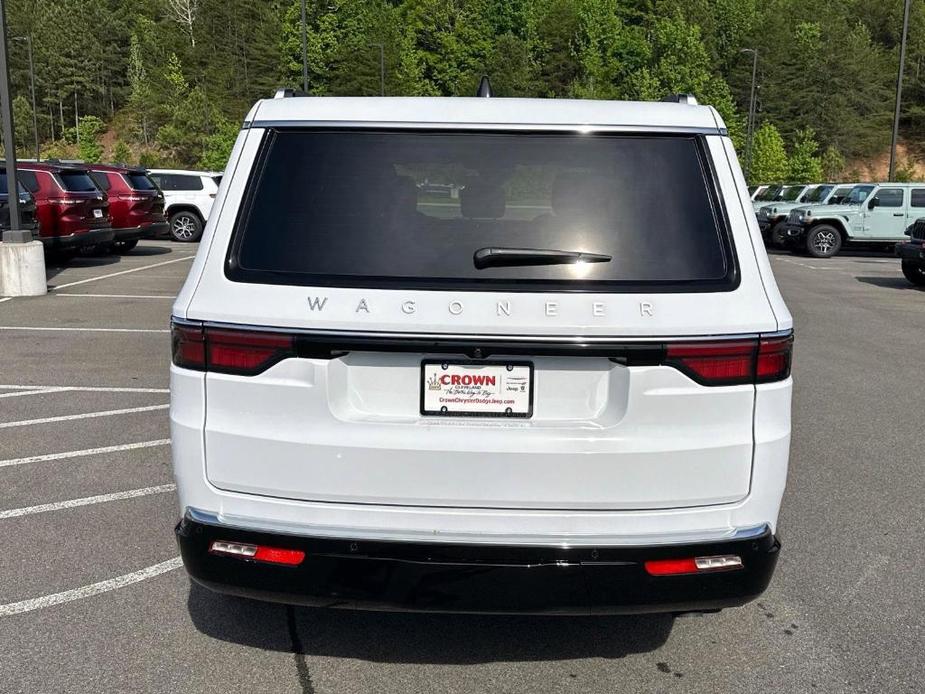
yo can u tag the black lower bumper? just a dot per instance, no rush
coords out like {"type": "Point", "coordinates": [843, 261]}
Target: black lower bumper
{"type": "Point", "coordinates": [474, 578]}
{"type": "Point", "coordinates": [911, 252]}
{"type": "Point", "coordinates": [85, 239]}
{"type": "Point", "coordinates": [137, 233]}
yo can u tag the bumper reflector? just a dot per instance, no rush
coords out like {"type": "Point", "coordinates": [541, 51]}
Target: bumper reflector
{"type": "Point", "coordinates": [272, 555]}
{"type": "Point", "coordinates": [693, 565]}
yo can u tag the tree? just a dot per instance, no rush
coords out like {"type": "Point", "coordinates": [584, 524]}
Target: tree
{"type": "Point", "coordinates": [217, 147]}
{"type": "Point", "coordinates": [89, 148]}
{"type": "Point", "coordinates": [184, 12]}
{"type": "Point", "coordinates": [833, 164]}
{"type": "Point", "coordinates": [804, 166]}
{"type": "Point", "coordinates": [140, 95]}
{"type": "Point", "coordinates": [184, 137]}
{"type": "Point", "coordinates": [769, 158]}
{"type": "Point", "coordinates": [22, 120]}
{"type": "Point", "coordinates": [121, 153]}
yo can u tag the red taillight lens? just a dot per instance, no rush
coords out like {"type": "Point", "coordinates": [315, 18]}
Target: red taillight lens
{"type": "Point", "coordinates": [774, 355]}
{"type": "Point", "coordinates": [671, 567]}
{"type": "Point", "coordinates": [272, 555]}
{"type": "Point", "coordinates": [733, 362]}
{"type": "Point", "coordinates": [228, 351]}
{"type": "Point", "coordinates": [693, 565]}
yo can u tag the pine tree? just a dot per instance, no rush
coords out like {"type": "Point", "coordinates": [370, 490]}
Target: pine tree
{"type": "Point", "coordinates": [769, 158]}
{"type": "Point", "coordinates": [804, 166]}
{"type": "Point", "coordinates": [833, 164]}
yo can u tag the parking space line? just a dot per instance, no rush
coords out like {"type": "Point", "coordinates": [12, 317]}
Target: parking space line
{"type": "Point", "coordinates": [87, 501]}
{"type": "Point", "coordinates": [84, 415]}
{"type": "Point", "coordinates": [94, 389]}
{"type": "Point", "coordinates": [39, 391]}
{"type": "Point", "coordinates": [122, 272]}
{"type": "Point", "coordinates": [83, 330]}
{"type": "Point", "coordinates": [90, 590]}
{"type": "Point", "coordinates": [83, 453]}
{"type": "Point", "coordinates": [6, 298]}
{"type": "Point", "coordinates": [117, 296]}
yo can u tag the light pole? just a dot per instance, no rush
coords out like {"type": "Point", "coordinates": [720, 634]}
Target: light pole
{"type": "Point", "coordinates": [899, 90]}
{"type": "Point", "coordinates": [304, 50]}
{"type": "Point", "coordinates": [751, 111]}
{"type": "Point", "coordinates": [13, 235]}
{"type": "Point", "coordinates": [35, 118]}
{"type": "Point", "coordinates": [381, 48]}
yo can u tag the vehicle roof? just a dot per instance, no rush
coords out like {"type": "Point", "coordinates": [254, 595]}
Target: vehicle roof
{"type": "Point", "coordinates": [116, 168]}
{"type": "Point", "coordinates": [187, 172]}
{"type": "Point", "coordinates": [480, 112]}
{"type": "Point", "coordinates": [52, 167]}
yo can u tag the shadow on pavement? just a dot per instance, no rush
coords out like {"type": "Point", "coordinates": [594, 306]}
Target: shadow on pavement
{"type": "Point", "coordinates": [54, 265]}
{"type": "Point", "coordinates": [394, 637]}
{"type": "Point", "coordinates": [152, 250]}
{"type": "Point", "coordinates": [889, 282]}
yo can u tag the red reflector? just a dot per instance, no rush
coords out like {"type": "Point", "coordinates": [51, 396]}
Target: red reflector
{"type": "Point", "coordinates": [671, 567]}
{"type": "Point", "coordinates": [275, 555]}
{"type": "Point", "coordinates": [715, 363]}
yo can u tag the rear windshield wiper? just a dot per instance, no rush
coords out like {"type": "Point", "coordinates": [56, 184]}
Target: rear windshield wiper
{"type": "Point", "coordinates": [508, 257]}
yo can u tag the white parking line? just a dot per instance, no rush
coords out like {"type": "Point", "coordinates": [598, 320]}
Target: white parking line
{"type": "Point", "coordinates": [83, 330]}
{"type": "Point", "coordinates": [90, 590]}
{"type": "Point", "coordinates": [85, 452]}
{"type": "Point", "coordinates": [94, 389]}
{"type": "Point", "coordinates": [122, 272]}
{"type": "Point", "coordinates": [7, 298]}
{"type": "Point", "coordinates": [39, 391]}
{"type": "Point", "coordinates": [84, 415]}
{"type": "Point", "coordinates": [117, 296]}
{"type": "Point", "coordinates": [87, 501]}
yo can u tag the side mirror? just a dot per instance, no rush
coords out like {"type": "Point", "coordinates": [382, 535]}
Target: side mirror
{"type": "Point", "coordinates": [874, 202]}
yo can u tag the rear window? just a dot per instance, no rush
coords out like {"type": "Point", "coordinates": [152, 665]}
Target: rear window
{"type": "Point", "coordinates": [76, 181]}
{"type": "Point", "coordinates": [140, 181]}
{"type": "Point", "coordinates": [101, 179]}
{"type": "Point", "coordinates": [412, 209]}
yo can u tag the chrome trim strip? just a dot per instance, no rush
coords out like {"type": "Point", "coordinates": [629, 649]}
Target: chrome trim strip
{"type": "Point", "coordinates": [564, 541]}
{"type": "Point", "coordinates": [463, 125]}
{"type": "Point", "coordinates": [468, 337]}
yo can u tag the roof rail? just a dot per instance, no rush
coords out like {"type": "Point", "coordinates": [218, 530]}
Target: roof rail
{"type": "Point", "coordinates": [286, 92]}
{"type": "Point", "coordinates": [682, 98]}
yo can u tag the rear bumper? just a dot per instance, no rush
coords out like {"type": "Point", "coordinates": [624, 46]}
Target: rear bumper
{"type": "Point", "coordinates": [911, 252]}
{"type": "Point", "coordinates": [136, 233]}
{"type": "Point", "coordinates": [83, 239]}
{"type": "Point", "coordinates": [418, 576]}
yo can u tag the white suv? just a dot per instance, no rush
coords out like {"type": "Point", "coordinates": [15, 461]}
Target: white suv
{"type": "Point", "coordinates": [564, 389]}
{"type": "Point", "coordinates": [188, 198]}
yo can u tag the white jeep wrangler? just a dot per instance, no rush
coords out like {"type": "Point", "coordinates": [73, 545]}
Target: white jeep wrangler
{"type": "Point", "coordinates": [476, 354]}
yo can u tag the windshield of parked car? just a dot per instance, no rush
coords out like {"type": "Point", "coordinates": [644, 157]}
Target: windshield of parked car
{"type": "Point", "coordinates": [817, 194]}
{"type": "Point", "coordinates": [858, 195]}
{"type": "Point", "coordinates": [791, 193]}
{"type": "Point", "coordinates": [769, 194]}
{"type": "Point", "coordinates": [77, 181]}
{"type": "Point", "coordinates": [839, 195]}
{"type": "Point", "coordinates": [407, 208]}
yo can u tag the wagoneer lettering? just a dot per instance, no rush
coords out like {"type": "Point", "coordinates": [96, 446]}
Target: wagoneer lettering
{"type": "Point", "coordinates": [526, 380]}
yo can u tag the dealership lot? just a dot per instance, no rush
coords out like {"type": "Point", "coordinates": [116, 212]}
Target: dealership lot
{"type": "Point", "coordinates": [92, 599]}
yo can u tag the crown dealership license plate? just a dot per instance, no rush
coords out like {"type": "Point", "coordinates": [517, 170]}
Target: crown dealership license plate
{"type": "Point", "coordinates": [476, 389]}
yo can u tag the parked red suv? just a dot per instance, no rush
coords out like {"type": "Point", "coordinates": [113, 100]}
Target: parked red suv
{"type": "Point", "coordinates": [135, 203]}
{"type": "Point", "coordinates": [73, 212]}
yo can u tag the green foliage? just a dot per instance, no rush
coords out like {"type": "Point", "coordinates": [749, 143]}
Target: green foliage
{"type": "Point", "coordinates": [833, 164]}
{"type": "Point", "coordinates": [22, 120]}
{"type": "Point", "coordinates": [121, 153]}
{"type": "Point", "coordinates": [218, 146]}
{"type": "Point", "coordinates": [905, 171]}
{"type": "Point", "coordinates": [183, 137]}
{"type": "Point", "coordinates": [804, 165]}
{"type": "Point", "coordinates": [89, 147]}
{"type": "Point", "coordinates": [769, 158]}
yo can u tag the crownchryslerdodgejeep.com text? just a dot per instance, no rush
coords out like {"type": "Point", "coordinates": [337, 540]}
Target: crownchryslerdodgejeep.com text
{"type": "Point", "coordinates": [480, 354]}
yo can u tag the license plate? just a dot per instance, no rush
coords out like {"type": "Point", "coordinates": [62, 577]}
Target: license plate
{"type": "Point", "coordinates": [476, 389]}
{"type": "Point", "coordinates": [97, 212]}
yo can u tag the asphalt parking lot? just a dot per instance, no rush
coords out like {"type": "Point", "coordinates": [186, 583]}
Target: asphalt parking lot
{"type": "Point", "coordinates": [92, 599]}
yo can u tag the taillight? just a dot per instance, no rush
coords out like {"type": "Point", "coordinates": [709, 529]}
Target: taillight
{"type": "Point", "coordinates": [736, 362]}
{"type": "Point", "coordinates": [271, 555]}
{"type": "Point", "coordinates": [228, 351]}
{"type": "Point", "coordinates": [693, 565]}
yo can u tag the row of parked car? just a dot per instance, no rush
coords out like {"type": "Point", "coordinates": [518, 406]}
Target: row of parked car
{"type": "Point", "coordinates": [74, 207]}
{"type": "Point", "coordinates": [822, 218]}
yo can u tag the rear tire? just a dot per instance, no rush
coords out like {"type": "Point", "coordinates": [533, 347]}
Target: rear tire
{"type": "Point", "coordinates": [823, 241]}
{"type": "Point", "coordinates": [914, 272]}
{"type": "Point", "coordinates": [185, 226]}
{"type": "Point", "coordinates": [122, 247]}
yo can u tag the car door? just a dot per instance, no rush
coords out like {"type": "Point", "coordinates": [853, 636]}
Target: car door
{"type": "Point", "coordinates": [885, 215]}
{"type": "Point", "coordinates": [916, 208]}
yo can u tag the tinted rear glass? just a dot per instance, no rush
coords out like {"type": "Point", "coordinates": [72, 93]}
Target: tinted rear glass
{"type": "Point", "coordinates": [101, 179]}
{"type": "Point", "coordinates": [412, 208]}
{"type": "Point", "coordinates": [76, 181]}
{"type": "Point", "coordinates": [140, 181]}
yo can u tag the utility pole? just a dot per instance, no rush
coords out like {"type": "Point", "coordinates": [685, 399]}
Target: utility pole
{"type": "Point", "coordinates": [35, 118]}
{"type": "Point", "coordinates": [751, 111]}
{"type": "Point", "coordinates": [899, 90]}
{"type": "Point", "coordinates": [381, 48]}
{"type": "Point", "coordinates": [22, 259]}
{"type": "Point", "coordinates": [304, 50]}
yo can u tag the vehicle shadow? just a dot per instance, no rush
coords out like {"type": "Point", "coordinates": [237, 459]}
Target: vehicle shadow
{"type": "Point", "coordinates": [415, 638]}
{"type": "Point", "coordinates": [54, 266]}
{"type": "Point", "coordinates": [889, 282]}
{"type": "Point", "coordinates": [150, 250]}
